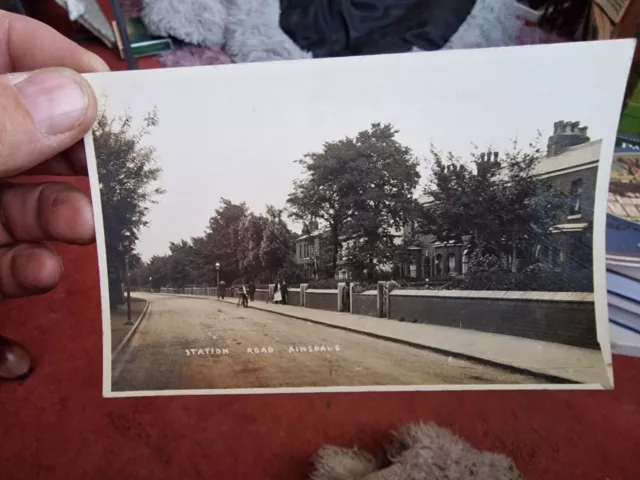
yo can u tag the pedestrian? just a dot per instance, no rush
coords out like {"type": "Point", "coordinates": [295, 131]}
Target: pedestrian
{"type": "Point", "coordinates": [245, 296]}
{"type": "Point", "coordinates": [252, 291]}
{"type": "Point", "coordinates": [277, 294]}
{"type": "Point", "coordinates": [284, 289]}
{"type": "Point", "coordinates": [221, 289]}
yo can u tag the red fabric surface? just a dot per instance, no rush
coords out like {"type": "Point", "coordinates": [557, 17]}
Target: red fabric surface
{"type": "Point", "coordinates": [56, 425]}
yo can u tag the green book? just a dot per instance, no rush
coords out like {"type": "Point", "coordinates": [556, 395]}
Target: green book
{"type": "Point", "coordinates": [142, 43]}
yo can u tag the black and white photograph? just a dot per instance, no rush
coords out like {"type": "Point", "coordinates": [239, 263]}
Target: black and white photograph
{"type": "Point", "coordinates": [415, 221]}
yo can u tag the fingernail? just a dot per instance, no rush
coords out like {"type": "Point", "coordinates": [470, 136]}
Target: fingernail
{"type": "Point", "coordinates": [56, 102]}
{"type": "Point", "coordinates": [15, 362]}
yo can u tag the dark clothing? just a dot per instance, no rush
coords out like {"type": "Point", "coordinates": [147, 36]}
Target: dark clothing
{"type": "Point", "coordinates": [252, 291]}
{"type": "Point", "coordinates": [284, 290]}
{"type": "Point", "coordinates": [337, 28]}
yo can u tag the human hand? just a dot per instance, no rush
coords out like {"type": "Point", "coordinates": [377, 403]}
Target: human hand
{"type": "Point", "coordinates": [46, 108]}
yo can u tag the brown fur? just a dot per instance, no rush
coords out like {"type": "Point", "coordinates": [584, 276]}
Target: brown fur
{"type": "Point", "coordinates": [417, 452]}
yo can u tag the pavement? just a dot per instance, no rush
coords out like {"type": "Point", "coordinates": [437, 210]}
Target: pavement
{"type": "Point", "coordinates": [193, 343]}
{"type": "Point", "coordinates": [554, 360]}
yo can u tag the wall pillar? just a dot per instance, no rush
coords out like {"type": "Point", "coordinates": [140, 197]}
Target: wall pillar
{"type": "Point", "coordinates": [341, 287]}
{"type": "Point", "coordinates": [381, 301]}
{"type": "Point", "coordinates": [303, 294]}
{"type": "Point", "coordinates": [351, 298]}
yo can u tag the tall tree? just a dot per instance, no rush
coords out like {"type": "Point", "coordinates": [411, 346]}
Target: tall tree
{"type": "Point", "coordinates": [496, 202]}
{"type": "Point", "coordinates": [276, 248]}
{"type": "Point", "coordinates": [251, 234]}
{"type": "Point", "coordinates": [383, 201]}
{"type": "Point", "coordinates": [222, 239]}
{"type": "Point", "coordinates": [127, 172]}
{"type": "Point", "coordinates": [361, 188]}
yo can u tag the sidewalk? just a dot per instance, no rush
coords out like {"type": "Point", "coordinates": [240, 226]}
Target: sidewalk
{"type": "Point", "coordinates": [573, 364]}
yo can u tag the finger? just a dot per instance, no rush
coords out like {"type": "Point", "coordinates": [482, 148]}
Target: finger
{"type": "Point", "coordinates": [28, 269]}
{"type": "Point", "coordinates": [71, 162]}
{"type": "Point", "coordinates": [48, 211]}
{"type": "Point", "coordinates": [42, 113]}
{"type": "Point", "coordinates": [27, 44]}
{"type": "Point", "coordinates": [15, 362]}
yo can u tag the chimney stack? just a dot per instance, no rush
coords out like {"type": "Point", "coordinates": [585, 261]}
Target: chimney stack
{"type": "Point", "coordinates": [566, 135]}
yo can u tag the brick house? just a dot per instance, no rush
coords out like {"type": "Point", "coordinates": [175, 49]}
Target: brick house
{"type": "Point", "coordinates": [571, 165]}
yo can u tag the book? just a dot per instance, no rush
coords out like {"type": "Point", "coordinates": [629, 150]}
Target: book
{"type": "Point", "coordinates": [142, 43]}
{"type": "Point", "coordinates": [89, 14]}
{"type": "Point", "coordinates": [615, 9]}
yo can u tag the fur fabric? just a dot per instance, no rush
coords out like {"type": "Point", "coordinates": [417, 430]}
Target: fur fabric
{"type": "Point", "coordinates": [200, 22]}
{"type": "Point", "coordinates": [491, 23]}
{"type": "Point", "coordinates": [253, 33]}
{"type": "Point", "coordinates": [185, 55]}
{"type": "Point", "coordinates": [249, 30]}
{"type": "Point", "coordinates": [416, 452]}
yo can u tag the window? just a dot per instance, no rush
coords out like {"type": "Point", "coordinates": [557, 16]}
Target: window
{"type": "Point", "coordinates": [465, 262]}
{"type": "Point", "coordinates": [426, 266]}
{"type": "Point", "coordinates": [438, 264]}
{"type": "Point", "coordinates": [575, 197]}
{"type": "Point", "coordinates": [452, 263]}
{"type": "Point", "coordinates": [413, 270]}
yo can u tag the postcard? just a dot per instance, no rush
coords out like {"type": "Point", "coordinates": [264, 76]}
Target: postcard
{"type": "Point", "coordinates": [418, 221]}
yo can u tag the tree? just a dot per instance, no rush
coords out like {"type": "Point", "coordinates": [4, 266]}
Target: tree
{"type": "Point", "coordinates": [383, 201]}
{"type": "Point", "coordinates": [277, 242]}
{"type": "Point", "coordinates": [222, 242]}
{"type": "Point", "coordinates": [250, 239]}
{"type": "Point", "coordinates": [361, 188]}
{"type": "Point", "coordinates": [127, 172]}
{"type": "Point", "coordinates": [497, 204]}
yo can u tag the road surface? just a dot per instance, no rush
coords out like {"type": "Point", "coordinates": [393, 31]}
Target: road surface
{"type": "Point", "coordinates": [192, 343]}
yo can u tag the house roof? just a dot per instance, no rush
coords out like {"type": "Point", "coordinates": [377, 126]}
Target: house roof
{"type": "Point", "coordinates": [585, 155]}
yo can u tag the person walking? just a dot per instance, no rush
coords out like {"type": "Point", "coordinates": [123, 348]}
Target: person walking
{"type": "Point", "coordinates": [222, 289]}
{"type": "Point", "coordinates": [277, 293]}
{"type": "Point", "coordinates": [284, 289]}
{"type": "Point", "coordinates": [243, 300]}
{"type": "Point", "coordinates": [252, 291]}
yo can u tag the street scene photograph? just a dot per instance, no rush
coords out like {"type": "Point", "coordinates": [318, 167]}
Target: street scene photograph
{"type": "Point", "coordinates": [398, 222]}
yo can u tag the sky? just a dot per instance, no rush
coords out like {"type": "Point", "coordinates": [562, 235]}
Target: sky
{"type": "Point", "coordinates": [235, 131]}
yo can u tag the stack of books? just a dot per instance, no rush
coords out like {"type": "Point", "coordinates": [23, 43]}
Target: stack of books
{"type": "Point", "coordinates": [89, 14]}
{"type": "Point", "coordinates": [623, 245]}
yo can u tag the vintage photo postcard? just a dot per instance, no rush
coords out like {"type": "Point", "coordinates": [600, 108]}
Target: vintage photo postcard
{"type": "Point", "coordinates": [419, 221]}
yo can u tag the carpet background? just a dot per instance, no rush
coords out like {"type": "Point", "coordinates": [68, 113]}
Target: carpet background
{"type": "Point", "coordinates": [56, 425]}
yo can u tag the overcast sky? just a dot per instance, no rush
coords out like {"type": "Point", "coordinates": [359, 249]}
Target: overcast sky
{"type": "Point", "coordinates": [234, 131]}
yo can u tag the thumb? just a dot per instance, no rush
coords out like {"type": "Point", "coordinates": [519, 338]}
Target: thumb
{"type": "Point", "coordinates": [42, 113]}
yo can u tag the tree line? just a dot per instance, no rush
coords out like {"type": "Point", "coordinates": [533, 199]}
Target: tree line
{"type": "Point", "coordinates": [362, 191]}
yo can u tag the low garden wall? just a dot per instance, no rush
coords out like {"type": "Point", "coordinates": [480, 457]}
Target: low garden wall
{"type": "Point", "coordinates": [567, 318]}
{"type": "Point", "coordinates": [294, 297]}
{"type": "Point", "coordinates": [322, 299]}
{"type": "Point", "coordinates": [261, 294]}
{"type": "Point", "coordinates": [365, 303]}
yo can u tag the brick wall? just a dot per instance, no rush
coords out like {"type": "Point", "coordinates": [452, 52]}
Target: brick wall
{"type": "Point", "coordinates": [261, 295]}
{"type": "Point", "coordinates": [294, 297]}
{"type": "Point", "coordinates": [365, 304]}
{"type": "Point", "coordinates": [566, 322]}
{"type": "Point", "coordinates": [322, 299]}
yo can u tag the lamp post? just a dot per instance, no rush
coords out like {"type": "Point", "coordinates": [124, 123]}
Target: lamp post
{"type": "Point", "coordinates": [150, 285]}
{"type": "Point", "coordinates": [126, 247]}
{"type": "Point", "coordinates": [217, 275]}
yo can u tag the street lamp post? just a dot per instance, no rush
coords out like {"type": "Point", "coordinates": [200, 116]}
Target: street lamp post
{"type": "Point", "coordinates": [126, 245]}
{"type": "Point", "coordinates": [217, 275]}
{"type": "Point", "coordinates": [150, 285]}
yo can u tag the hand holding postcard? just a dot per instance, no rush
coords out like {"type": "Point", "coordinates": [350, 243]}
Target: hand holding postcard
{"type": "Point", "coordinates": [418, 221]}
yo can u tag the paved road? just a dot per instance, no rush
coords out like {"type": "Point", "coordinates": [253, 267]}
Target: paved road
{"type": "Point", "coordinates": [191, 343]}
